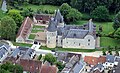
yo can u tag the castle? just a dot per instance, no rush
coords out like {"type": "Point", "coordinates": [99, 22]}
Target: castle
{"type": "Point", "coordinates": [70, 36]}
{"type": "Point", "coordinates": [59, 34]}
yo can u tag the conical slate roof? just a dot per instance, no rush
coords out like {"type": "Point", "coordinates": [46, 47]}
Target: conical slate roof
{"type": "Point", "coordinates": [58, 16]}
{"type": "Point", "coordinates": [52, 25]}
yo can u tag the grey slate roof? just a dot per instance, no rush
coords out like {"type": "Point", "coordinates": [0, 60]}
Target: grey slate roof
{"type": "Point", "coordinates": [78, 66]}
{"type": "Point", "coordinates": [98, 66]}
{"type": "Point", "coordinates": [3, 49]}
{"type": "Point", "coordinates": [24, 53]}
{"type": "Point", "coordinates": [58, 16]}
{"type": "Point", "coordinates": [71, 31]}
{"type": "Point", "coordinates": [52, 25]}
{"type": "Point", "coordinates": [76, 33]}
{"type": "Point", "coordinates": [110, 58]}
{"type": "Point", "coordinates": [27, 55]}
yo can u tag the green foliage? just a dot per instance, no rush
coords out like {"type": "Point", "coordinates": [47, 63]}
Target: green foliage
{"type": "Point", "coordinates": [116, 23]}
{"type": "Point", "coordinates": [16, 16]}
{"type": "Point", "coordinates": [50, 58]}
{"type": "Point", "coordinates": [10, 68]}
{"type": "Point", "coordinates": [27, 12]}
{"type": "Point", "coordinates": [117, 33]}
{"type": "Point", "coordinates": [40, 56]}
{"type": "Point", "coordinates": [70, 14]}
{"type": "Point", "coordinates": [64, 9]}
{"type": "Point", "coordinates": [7, 28]}
{"type": "Point", "coordinates": [73, 15]}
{"type": "Point", "coordinates": [100, 14]}
{"type": "Point", "coordinates": [59, 65]}
{"type": "Point", "coordinates": [104, 51]}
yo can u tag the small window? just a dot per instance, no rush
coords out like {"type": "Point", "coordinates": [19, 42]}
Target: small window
{"type": "Point", "coordinates": [88, 44]}
{"type": "Point", "coordinates": [79, 44]}
{"type": "Point", "coordinates": [67, 42]}
{"type": "Point", "coordinates": [88, 40]}
{"type": "Point", "coordinates": [74, 42]}
{"type": "Point", "coordinates": [48, 41]}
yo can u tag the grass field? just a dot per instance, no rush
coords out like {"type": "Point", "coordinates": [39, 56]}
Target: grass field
{"type": "Point", "coordinates": [32, 36]}
{"type": "Point", "coordinates": [22, 44]}
{"type": "Point", "coordinates": [106, 41]}
{"type": "Point", "coordinates": [36, 29]}
{"type": "Point", "coordinates": [69, 49]}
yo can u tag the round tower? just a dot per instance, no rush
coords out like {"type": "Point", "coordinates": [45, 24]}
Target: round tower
{"type": "Point", "coordinates": [51, 34]}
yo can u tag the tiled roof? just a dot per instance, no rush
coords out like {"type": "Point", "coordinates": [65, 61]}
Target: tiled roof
{"type": "Point", "coordinates": [48, 69]}
{"type": "Point", "coordinates": [91, 60]}
{"type": "Point", "coordinates": [25, 28]}
{"type": "Point", "coordinates": [110, 58]}
{"type": "Point", "coordinates": [94, 60]}
{"type": "Point", "coordinates": [44, 17]}
{"type": "Point", "coordinates": [31, 65]}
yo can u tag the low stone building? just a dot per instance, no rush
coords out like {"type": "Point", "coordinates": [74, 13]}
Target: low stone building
{"type": "Point", "coordinates": [24, 30]}
{"type": "Point", "coordinates": [41, 18]}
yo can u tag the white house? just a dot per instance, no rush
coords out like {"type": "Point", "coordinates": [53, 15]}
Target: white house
{"type": "Point", "coordinates": [109, 61]}
{"type": "Point", "coordinates": [70, 36]}
{"type": "Point", "coordinates": [4, 51]}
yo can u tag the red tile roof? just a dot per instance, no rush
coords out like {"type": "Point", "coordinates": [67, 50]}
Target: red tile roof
{"type": "Point", "coordinates": [94, 60]}
{"type": "Point", "coordinates": [25, 28]}
{"type": "Point", "coordinates": [43, 17]}
{"type": "Point", "coordinates": [102, 59]}
{"type": "Point", "coordinates": [48, 69]}
{"type": "Point", "coordinates": [31, 65]}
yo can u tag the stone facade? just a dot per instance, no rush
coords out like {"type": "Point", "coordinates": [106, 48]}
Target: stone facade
{"type": "Point", "coordinates": [70, 36]}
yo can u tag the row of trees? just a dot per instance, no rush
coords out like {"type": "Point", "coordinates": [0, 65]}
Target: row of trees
{"type": "Point", "coordinates": [82, 5]}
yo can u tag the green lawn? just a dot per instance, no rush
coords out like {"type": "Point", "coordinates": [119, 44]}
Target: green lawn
{"type": "Point", "coordinates": [42, 7]}
{"type": "Point", "coordinates": [36, 29]}
{"type": "Point", "coordinates": [22, 44]}
{"type": "Point", "coordinates": [32, 36]}
{"type": "Point", "coordinates": [107, 26]}
{"type": "Point", "coordinates": [69, 49]}
{"type": "Point", "coordinates": [35, 26]}
{"type": "Point", "coordinates": [106, 41]}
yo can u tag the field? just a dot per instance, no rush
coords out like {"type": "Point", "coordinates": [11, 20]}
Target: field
{"type": "Point", "coordinates": [32, 36]}
{"type": "Point", "coordinates": [106, 41]}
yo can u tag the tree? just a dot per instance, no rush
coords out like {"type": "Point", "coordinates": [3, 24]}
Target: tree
{"type": "Point", "coordinates": [104, 51]}
{"type": "Point", "coordinates": [7, 28]}
{"type": "Point", "coordinates": [100, 14]}
{"type": "Point", "coordinates": [27, 12]}
{"type": "Point", "coordinates": [50, 58]}
{"type": "Point", "coordinates": [73, 15]}
{"type": "Point", "coordinates": [116, 23]}
{"type": "Point", "coordinates": [16, 16]}
{"type": "Point", "coordinates": [64, 9]}
{"type": "Point", "coordinates": [59, 65]}
{"type": "Point", "coordinates": [117, 34]}
{"type": "Point", "coordinates": [40, 56]}
{"type": "Point", "coordinates": [12, 68]}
